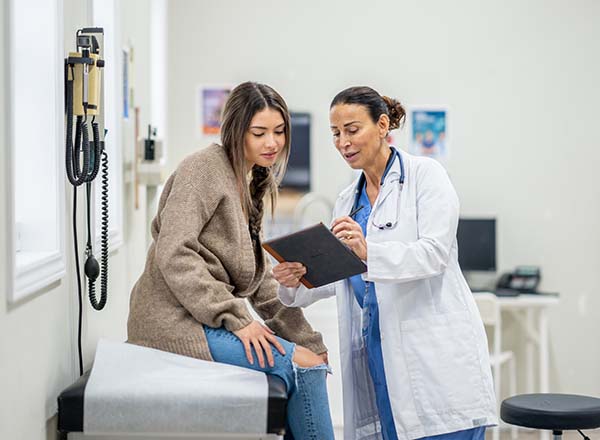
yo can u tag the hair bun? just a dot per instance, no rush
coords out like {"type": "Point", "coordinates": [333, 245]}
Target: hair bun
{"type": "Point", "coordinates": [396, 112]}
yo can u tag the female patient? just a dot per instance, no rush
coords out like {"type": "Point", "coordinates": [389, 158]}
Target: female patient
{"type": "Point", "coordinates": [206, 258]}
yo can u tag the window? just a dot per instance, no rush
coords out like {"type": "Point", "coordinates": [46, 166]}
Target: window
{"type": "Point", "coordinates": [35, 135]}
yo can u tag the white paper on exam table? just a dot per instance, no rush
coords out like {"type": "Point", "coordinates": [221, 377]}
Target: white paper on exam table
{"type": "Point", "coordinates": [135, 389]}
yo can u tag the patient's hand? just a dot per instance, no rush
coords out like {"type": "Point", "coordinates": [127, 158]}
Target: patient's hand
{"type": "Point", "coordinates": [289, 274]}
{"type": "Point", "coordinates": [260, 336]}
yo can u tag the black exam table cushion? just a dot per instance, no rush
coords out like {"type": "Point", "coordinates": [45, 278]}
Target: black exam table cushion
{"type": "Point", "coordinates": [70, 406]}
{"type": "Point", "coordinates": [552, 411]}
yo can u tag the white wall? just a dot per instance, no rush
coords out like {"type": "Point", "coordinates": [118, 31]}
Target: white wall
{"type": "Point", "coordinates": [38, 354]}
{"type": "Point", "coordinates": [521, 82]}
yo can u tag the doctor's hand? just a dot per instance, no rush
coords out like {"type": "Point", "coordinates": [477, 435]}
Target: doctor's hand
{"type": "Point", "coordinates": [260, 337]}
{"type": "Point", "coordinates": [350, 233]}
{"type": "Point", "coordinates": [289, 274]}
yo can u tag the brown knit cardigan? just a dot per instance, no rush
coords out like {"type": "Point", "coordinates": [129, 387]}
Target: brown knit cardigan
{"type": "Point", "coordinates": [201, 266]}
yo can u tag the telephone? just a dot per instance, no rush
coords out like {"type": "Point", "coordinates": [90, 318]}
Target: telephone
{"type": "Point", "coordinates": [523, 279]}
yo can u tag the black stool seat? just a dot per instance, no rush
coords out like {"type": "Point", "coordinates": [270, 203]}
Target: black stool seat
{"type": "Point", "coordinates": [557, 412]}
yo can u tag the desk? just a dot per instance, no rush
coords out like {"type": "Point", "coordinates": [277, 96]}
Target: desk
{"type": "Point", "coordinates": [525, 308]}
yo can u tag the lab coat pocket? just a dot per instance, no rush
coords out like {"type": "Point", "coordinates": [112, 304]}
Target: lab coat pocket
{"type": "Point", "coordinates": [442, 363]}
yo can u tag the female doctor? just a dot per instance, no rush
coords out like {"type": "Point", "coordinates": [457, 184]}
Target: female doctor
{"type": "Point", "coordinates": [413, 348]}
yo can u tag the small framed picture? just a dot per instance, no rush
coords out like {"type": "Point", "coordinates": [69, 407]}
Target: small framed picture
{"type": "Point", "coordinates": [210, 100]}
{"type": "Point", "coordinates": [126, 91]}
{"type": "Point", "coordinates": [429, 132]}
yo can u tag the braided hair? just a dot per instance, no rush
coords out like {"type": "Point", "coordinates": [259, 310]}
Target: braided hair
{"type": "Point", "coordinates": [261, 181]}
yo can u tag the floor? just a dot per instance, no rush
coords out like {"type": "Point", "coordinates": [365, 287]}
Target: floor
{"type": "Point", "coordinates": [504, 435]}
{"type": "Point", "coordinates": [535, 435]}
{"type": "Point", "coordinates": [522, 435]}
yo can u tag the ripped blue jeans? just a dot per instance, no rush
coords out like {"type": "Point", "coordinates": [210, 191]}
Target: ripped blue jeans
{"type": "Point", "coordinates": [308, 415]}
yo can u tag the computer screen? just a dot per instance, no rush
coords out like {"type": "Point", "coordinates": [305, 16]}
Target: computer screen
{"type": "Point", "coordinates": [477, 244]}
{"type": "Point", "coordinates": [297, 175]}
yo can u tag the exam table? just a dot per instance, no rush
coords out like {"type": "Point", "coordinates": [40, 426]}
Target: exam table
{"type": "Point", "coordinates": [116, 404]}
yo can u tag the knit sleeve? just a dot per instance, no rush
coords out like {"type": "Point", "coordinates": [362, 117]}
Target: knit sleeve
{"type": "Point", "coordinates": [210, 301]}
{"type": "Point", "coordinates": [288, 322]}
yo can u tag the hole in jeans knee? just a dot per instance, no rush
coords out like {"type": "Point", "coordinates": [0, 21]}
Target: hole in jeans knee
{"type": "Point", "coordinates": [314, 368]}
{"type": "Point", "coordinates": [304, 358]}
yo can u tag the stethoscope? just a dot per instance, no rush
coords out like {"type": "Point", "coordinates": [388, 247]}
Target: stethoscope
{"type": "Point", "coordinates": [361, 181]}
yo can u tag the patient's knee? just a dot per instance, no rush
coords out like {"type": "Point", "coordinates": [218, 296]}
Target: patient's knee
{"type": "Point", "coordinates": [305, 358]}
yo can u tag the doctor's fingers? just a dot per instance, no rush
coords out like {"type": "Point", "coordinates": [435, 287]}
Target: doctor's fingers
{"type": "Point", "coordinates": [346, 226]}
{"type": "Point", "coordinates": [348, 234]}
{"type": "Point", "coordinates": [340, 220]}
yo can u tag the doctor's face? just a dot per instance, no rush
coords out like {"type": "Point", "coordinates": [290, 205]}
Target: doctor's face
{"type": "Point", "coordinates": [355, 135]}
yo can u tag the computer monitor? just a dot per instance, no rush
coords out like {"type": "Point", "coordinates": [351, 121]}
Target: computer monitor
{"type": "Point", "coordinates": [297, 175]}
{"type": "Point", "coordinates": [477, 244]}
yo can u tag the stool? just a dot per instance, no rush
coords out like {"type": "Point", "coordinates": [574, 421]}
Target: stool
{"type": "Point", "coordinates": [556, 412]}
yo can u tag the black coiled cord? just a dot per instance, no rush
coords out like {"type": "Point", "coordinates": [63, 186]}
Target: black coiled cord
{"type": "Point", "coordinates": [98, 149]}
{"type": "Point", "coordinates": [103, 244]}
{"type": "Point", "coordinates": [104, 229]}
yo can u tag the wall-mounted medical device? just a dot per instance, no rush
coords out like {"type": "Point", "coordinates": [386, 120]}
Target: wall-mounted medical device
{"type": "Point", "coordinates": [150, 148]}
{"type": "Point", "coordinates": [85, 153]}
{"type": "Point", "coordinates": [149, 164]}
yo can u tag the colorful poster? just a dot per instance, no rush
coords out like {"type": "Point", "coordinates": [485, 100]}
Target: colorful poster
{"type": "Point", "coordinates": [211, 100]}
{"type": "Point", "coordinates": [126, 84]}
{"type": "Point", "coordinates": [429, 132]}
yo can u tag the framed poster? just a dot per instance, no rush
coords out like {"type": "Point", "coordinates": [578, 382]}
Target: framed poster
{"type": "Point", "coordinates": [126, 103]}
{"type": "Point", "coordinates": [209, 108]}
{"type": "Point", "coordinates": [429, 132]}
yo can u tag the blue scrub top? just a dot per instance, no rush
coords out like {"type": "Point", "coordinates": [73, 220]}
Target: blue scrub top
{"type": "Point", "coordinates": [366, 297]}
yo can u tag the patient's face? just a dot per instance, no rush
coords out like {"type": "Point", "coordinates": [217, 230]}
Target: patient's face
{"type": "Point", "coordinates": [265, 138]}
{"type": "Point", "coordinates": [355, 135]}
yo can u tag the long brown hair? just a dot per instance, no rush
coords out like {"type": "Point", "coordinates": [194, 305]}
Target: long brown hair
{"type": "Point", "coordinates": [243, 103]}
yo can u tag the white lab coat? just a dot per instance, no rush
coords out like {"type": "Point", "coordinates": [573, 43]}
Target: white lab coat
{"type": "Point", "coordinates": [434, 346]}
